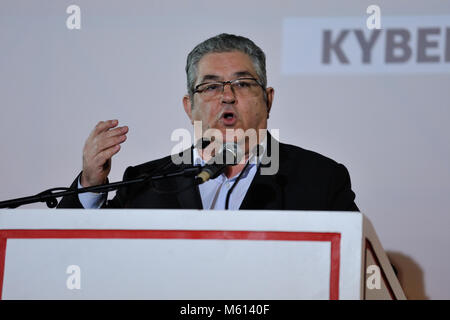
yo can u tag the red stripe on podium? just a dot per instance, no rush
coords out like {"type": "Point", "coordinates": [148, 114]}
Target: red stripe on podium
{"type": "Point", "coordinates": [2, 260]}
{"type": "Point", "coordinates": [333, 238]}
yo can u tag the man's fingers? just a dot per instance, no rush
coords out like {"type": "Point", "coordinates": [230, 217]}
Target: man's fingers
{"type": "Point", "coordinates": [105, 125]}
{"type": "Point", "coordinates": [110, 142]}
{"type": "Point", "coordinates": [105, 155]}
{"type": "Point", "coordinates": [116, 132]}
{"type": "Point", "coordinates": [100, 141]}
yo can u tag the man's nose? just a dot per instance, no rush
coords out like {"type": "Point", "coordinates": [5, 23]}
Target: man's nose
{"type": "Point", "coordinates": [228, 95]}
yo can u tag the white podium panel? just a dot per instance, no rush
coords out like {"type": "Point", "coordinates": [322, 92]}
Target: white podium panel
{"type": "Point", "coordinates": [187, 254]}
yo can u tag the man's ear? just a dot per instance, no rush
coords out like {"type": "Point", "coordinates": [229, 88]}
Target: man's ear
{"type": "Point", "coordinates": [270, 94]}
{"type": "Point", "coordinates": [188, 106]}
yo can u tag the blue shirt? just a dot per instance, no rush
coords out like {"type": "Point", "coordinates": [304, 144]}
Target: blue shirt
{"type": "Point", "coordinates": [214, 191]}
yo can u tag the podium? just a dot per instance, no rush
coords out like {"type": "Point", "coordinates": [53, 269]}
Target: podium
{"type": "Point", "coordinates": [192, 254]}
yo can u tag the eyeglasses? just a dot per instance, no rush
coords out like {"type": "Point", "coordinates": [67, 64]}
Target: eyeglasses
{"type": "Point", "coordinates": [245, 87]}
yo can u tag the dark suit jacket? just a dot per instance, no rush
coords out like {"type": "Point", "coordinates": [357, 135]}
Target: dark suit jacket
{"type": "Point", "coordinates": [305, 181]}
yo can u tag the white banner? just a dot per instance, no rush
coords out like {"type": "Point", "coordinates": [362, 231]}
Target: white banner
{"type": "Point", "coordinates": [403, 44]}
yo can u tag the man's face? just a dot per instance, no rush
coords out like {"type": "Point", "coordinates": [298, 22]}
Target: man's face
{"type": "Point", "coordinates": [230, 110]}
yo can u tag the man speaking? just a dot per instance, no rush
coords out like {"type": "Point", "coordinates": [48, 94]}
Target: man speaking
{"type": "Point", "coordinates": [227, 92]}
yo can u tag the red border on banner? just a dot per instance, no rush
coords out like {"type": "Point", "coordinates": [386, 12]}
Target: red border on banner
{"type": "Point", "coordinates": [333, 238]}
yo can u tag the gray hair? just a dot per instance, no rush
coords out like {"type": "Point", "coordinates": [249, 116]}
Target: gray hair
{"type": "Point", "coordinates": [225, 43]}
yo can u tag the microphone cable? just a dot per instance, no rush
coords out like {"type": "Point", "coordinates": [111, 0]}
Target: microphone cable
{"type": "Point", "coordinates": [236, 182]}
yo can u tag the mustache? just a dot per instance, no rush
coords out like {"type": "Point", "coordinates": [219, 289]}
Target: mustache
{"type": "Point", "coordinates": [226, 109]}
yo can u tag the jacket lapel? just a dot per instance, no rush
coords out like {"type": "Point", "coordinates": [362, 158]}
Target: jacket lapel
{"type": "Point", "coordinates": [263, 193]}
{"type": "Point", "coordinates": [190, 197]}
{"type": "Point", "coordinates": [267, 191]}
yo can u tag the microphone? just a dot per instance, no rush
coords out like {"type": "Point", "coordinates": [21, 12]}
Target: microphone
{"type": "Point", "coordinates": [230, 154]}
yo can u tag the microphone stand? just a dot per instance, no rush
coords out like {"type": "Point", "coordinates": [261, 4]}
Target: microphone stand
{"type": "Point", "coordinates": [49, 196]}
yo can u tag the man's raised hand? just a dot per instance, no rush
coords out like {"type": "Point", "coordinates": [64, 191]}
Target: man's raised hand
{"type": "Point", "coordinates": [103, 142]}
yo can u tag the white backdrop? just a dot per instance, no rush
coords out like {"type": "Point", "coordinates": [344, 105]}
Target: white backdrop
{"type": "Point", "coordinates": [127, 62]}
